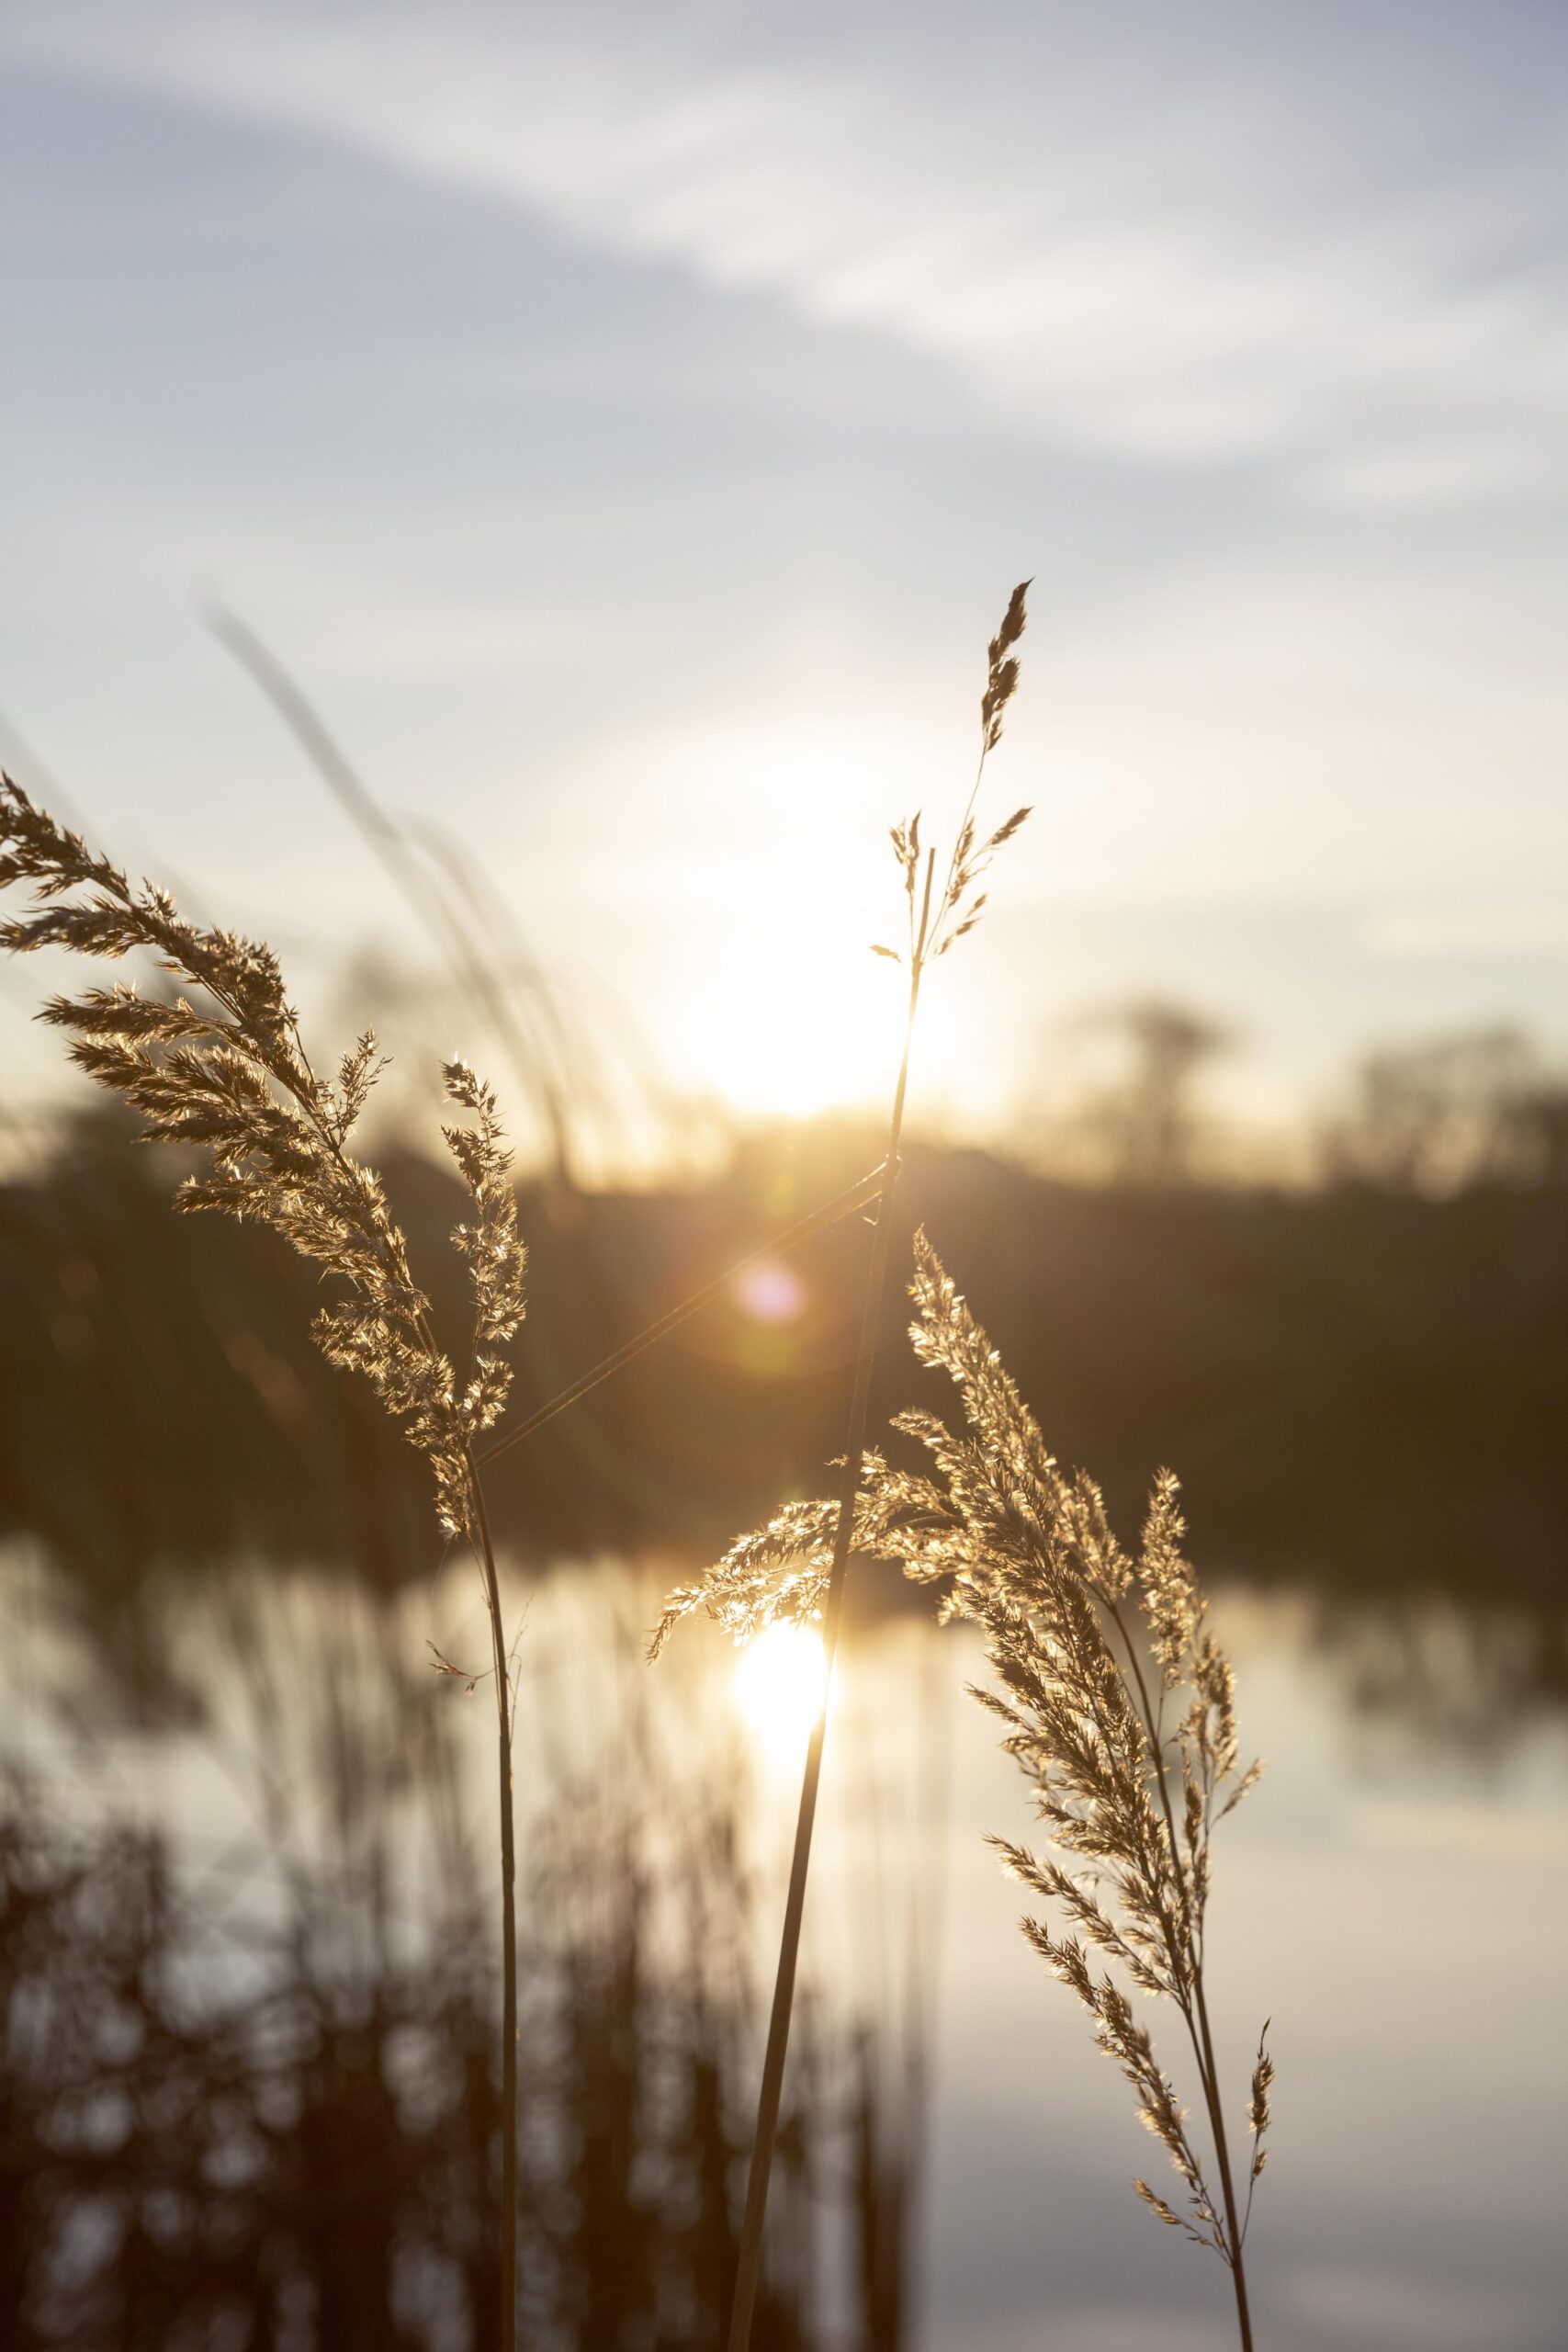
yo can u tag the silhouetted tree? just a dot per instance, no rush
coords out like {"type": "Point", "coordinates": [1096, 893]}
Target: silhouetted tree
{"type": "Point", "coordinates": [1446, 1114]}
{"type": "Point", "coordinates": [1146, 1122]}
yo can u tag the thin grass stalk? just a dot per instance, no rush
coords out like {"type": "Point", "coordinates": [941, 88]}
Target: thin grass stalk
{"type": "Point", "coordinates": [749, 2268]}
{"type": "Point", "coordinates": [484, 1549]}
{"type": "Point", "coordinates": [474, 979]}
{"type": "Point", "coordinates": [957, 911]}
{"type": "Point", "coordinates": [1196, 2013]}
{"type": "Point", "coordinates": [1237, 2229]}
{"type": "Point", "coordinates": [509, 2110]}
{"type": "Point", "coordinates": [1208, 2070]}
{"type": "Point", "coordinates": [806, 1229]}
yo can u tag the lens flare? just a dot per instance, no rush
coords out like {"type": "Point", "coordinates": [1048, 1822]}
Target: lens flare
{"type": "Point", "coordinates": [771, 1291]}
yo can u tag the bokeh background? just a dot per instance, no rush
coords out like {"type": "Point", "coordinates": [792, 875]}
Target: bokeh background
{"type": "Point", "coordinates": [509, 506]}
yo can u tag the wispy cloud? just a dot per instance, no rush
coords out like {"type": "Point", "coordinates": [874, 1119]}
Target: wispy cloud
{"type": "Point", "coordinates": [1208, 237]}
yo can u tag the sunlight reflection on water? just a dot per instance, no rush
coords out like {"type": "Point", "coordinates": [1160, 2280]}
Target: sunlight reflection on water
{"type": "Point", "coordinates": [778, 1684]}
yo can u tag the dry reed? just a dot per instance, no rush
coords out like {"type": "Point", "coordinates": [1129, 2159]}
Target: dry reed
{"type": "Point", "coordinates": [1119, 1707]}
{"type": "Point", "coordinates": [935, 921]}
{"type": "Point", "coordinates": [228, 1075]}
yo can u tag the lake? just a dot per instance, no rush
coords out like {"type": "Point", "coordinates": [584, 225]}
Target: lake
{"type": "Point", "coordinates": [1395, 1896]}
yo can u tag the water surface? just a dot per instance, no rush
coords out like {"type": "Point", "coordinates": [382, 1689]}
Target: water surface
{"type": "Point", "coordinates": [1395, 1895]}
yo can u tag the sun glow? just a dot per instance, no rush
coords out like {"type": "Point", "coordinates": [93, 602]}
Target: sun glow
{"type": "Point", "coordinates": [804, 1023]}
{"type": "Point", "coordinates": [784, 878]}
{"type": "Point", "coordinates": [780, 1684]}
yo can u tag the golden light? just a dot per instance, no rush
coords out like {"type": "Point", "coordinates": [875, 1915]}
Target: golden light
{"type": "Point", "coordinates": [780, 1684]}
{"type": "Point", "coordinates": [787, 875]}
{"type": "Point", "coordinates": [808, 1025]}
{"type": "Point", "coordinates": [770, 876]}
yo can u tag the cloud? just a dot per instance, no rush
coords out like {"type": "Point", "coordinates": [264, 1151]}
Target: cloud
{"type": "Point", "coordinates": [1508, 931]}
{"type": "Point", "coordinates": [1417, 475]}
{"type": "Point", "coordinates": [1241, 239]}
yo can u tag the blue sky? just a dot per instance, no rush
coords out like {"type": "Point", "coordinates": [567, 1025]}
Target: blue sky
{"type": "Point", "coordinates": [628, 422]}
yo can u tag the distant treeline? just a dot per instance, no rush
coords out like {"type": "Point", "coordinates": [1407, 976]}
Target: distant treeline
{"type": "Point", "coordinates": [1359, 1385]}
{"type": "Point", "coordinates": [1464, 1109]}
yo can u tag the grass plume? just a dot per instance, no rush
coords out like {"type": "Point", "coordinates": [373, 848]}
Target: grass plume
{"type": "Point", "coordinates": [1117, 1703]}
{"type": "Point", "coordinates": [1119, 1706]}
{"type": "Point", "coordinates": [226, 1072]}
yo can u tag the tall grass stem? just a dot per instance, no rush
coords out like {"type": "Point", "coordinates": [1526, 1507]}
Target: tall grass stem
{"type": "Point", "coordinates": [509, 2113]}
{"type": "Point", "coordinates": [749, 2267]}
{"type": "Point", "coordinates": [1197, 2011]}
{"type": "Point", "coordinates": [485, 988]}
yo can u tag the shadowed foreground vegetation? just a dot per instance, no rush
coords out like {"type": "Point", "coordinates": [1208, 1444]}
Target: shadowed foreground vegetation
{"type": "Point", "coordinates": [250, 2101]}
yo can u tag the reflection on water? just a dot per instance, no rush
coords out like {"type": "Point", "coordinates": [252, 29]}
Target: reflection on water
{"type": "Point", "coordinates": [779, 1684]}
{"type": "Point", "coordinates": [248, 1982]}
{"type": "Point", "coordinates": [1473, 1679]}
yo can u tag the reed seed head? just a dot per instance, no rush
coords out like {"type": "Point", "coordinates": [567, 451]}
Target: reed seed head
{"type": "Point", "coordinates": [1001, 672]}
{"type": "Point", "coordinates": [934, 927]}
{"type": "Point", "coordinates": [226, 1072]}
{"type": "Point", "coordinates": [1115, 1699]}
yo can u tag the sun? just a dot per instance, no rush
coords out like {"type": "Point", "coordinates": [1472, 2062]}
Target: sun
{"type": "Point", "coordinates": [806, 1024]}
{"type": "Point", "coordinates": [780, 1684]}
{"type": "Point", "coordinates": [785, 882]}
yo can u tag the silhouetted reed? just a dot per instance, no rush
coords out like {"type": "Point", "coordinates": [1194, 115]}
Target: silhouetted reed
{"type": "Point", "coordinates": [230, 1075]}
{"type": "Point", "coordinates": [935, 921]}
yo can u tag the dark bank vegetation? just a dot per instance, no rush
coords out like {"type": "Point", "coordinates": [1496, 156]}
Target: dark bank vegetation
{"type": "Point", "coordinates": [1363, 1383]}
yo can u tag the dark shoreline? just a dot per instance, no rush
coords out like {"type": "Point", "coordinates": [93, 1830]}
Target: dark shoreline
{"type": "Point", "coordinates": [1362, 1391]}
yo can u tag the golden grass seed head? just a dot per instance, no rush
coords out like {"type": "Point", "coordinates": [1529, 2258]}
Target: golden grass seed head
{"type": "Point", "coordinates": [236, 1081]}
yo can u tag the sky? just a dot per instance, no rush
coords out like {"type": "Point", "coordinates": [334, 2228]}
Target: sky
{"type": "Point", "coordinates": [628, 423]}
